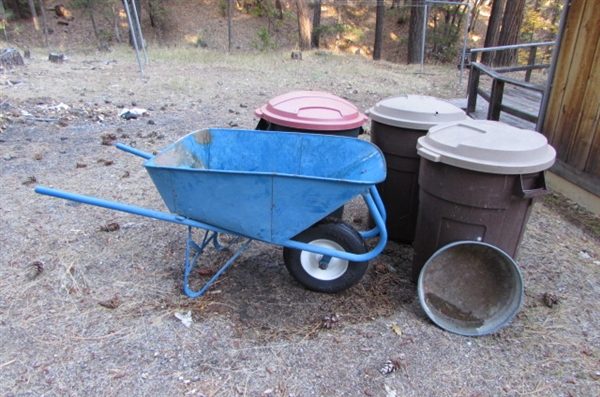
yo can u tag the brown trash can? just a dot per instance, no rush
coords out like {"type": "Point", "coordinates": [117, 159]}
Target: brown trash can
{"type": "Point", "coordinates": [396, 125]}
{"type": "Point", "coordinates": [478, 181]}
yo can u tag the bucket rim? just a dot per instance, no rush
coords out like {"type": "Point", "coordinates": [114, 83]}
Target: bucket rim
{"type": "Point", "coordinates": [483, 330]}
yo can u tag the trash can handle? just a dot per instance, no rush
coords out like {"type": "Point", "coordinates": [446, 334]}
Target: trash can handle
{"type": "Point", "coordinates": [429, 155]}
{"type": "Point", "coordinates": [532, 193]}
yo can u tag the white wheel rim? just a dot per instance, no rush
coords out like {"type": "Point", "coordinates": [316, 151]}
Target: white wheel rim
{"type": "Point", "coordinates": [310, 262]}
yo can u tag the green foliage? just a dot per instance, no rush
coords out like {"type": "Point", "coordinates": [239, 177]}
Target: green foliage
{"type": "Point", "coordinates": [259, 8]}
{"type": "Point", "coordinates": [106, 36]}
{"type": "Point", "coordinates": [200, 42]}
{"type": "Point", "coordinates": [223, 5]}
{"type": "Point", "coordinates": [266, 43]}
{"type": "Point", "coordinates": [402, 14]}
{"type": "Point", "coordinates": [328, 30]}
{"type": "Point", "coordinates": [99, 8]}
{"type": "Point", "coordinates": [4, 18]}
{"type": "Point", "coordinates": [350, 34]}
{"type": "Point", "coordinates": [444, 38]}
{"type": "Point", "coordinates": [159, 11]}
{"type": "Point", "coordinates": [541, 23]}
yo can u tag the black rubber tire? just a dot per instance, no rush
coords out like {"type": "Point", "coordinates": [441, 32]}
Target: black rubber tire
{"type": "Point", "coordinates": [341, 274]}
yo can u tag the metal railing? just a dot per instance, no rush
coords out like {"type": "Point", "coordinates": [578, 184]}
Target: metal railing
{"type": "Point", "coordinates": [495, 96]}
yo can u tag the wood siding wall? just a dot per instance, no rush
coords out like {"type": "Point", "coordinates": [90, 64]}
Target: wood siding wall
{"type": "Point", "coordinates": [573, 109]}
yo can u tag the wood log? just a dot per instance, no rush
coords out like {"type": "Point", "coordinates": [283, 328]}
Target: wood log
{"type": "Point", "coordinates": [9, 58]}
{"type": "Point", "coordinates": [62, 12]}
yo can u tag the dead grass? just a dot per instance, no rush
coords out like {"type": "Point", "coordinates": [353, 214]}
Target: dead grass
{"type": "Point", "coordinates": [90, 312]}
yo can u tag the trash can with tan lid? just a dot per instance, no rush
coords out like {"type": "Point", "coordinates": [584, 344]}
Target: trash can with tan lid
{"type": "Point", "coordinates": [396, 124]}
{"type": "Point", "coordinates": [478, 180]}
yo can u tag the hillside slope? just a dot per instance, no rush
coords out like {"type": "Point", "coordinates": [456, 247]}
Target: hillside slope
{"type": "Point", "coordinates": [346, 29]}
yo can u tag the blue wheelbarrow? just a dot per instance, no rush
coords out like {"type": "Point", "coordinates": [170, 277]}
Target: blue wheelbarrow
{"type": "Point", "coordinates": [275, 187]}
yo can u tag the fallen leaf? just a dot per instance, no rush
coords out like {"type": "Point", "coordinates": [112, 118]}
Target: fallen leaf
{"type": "Point", "coordinates": [110, 227]}
{"type": "Point", "coordinates": [36, 269]}
{"type": "Point", "coordinates": [206, 272]}
{"type": "Point", "coordinates": [185, 318]}
{"type": "Point", "coordinates": [389, 392]}
{"type": "Point", "coordinates": [397, 330]}
{"type": "Point", "coordinates": [112, 303]}
{"type": "Point", "coordinates": [30, 180]}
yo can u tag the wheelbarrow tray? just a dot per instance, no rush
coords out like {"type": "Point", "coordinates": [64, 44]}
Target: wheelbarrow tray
{"type": "Point", "coordinates": [264, 185]}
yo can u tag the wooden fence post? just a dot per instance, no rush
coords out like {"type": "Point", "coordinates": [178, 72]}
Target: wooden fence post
{"type": "Point", "coordinates": [472, 90]}
{"type": "Point", "coordinates": [530, 62]}
{"type": "Point", "coordinates": [496, 100]}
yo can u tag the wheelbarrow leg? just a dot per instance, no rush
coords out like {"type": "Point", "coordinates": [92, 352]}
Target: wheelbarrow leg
{"type": "Point", "coordinates": [189, 264]}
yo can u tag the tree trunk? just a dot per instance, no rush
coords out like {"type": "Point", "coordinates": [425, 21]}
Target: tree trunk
{"type": "Point", "coordinates": [3, 22]}
{"type": "Point", "coordinates": [116, 23]}
{"type": "Point", "coordinates": [493, 30]}
{"type": "Point", "coordinates": [36, 24]}
{"type": "Point", "coordinates": [415, 32]}
{"type": "Point", "coordinates": [90, 7]}
{"type": "Point", "coordinates": [379, 30]}
{"type": "Point", "coordinates": [230, 25]}
{"type": "Point", "coordinates": [304, 25]}
{"type": "Point", "coordinates": [316, 24]}
{"type": "Point", "coordinates": [18, 9]}
{"type": "Point", "coordinates": [44, 23]}
{"type": "Point", "coordinates": [279, 7]}
{"type": "Point", "coordinates": [339, 22]}
{"type": "Point", "coordinates": [475, 11]}
{"type": "Point", "coordinates": [156, 13]}
{"type": "Point", "coordinates": [509, 34]}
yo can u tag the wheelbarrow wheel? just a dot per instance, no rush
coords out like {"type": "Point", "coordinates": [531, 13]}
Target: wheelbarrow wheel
{"type": "Point", "coordinates": [340, 274]}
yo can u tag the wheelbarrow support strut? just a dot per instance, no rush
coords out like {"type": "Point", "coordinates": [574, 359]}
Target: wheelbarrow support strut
{"type": "Point", "coordinates": [209, 236]}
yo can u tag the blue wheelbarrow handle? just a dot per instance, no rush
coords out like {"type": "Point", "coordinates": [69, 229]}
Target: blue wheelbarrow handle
{"type": "Point", "coordinates": [131, 150]}
{"type": "Point", "coordinates": [372, 202]}
{"type": "Point", "coordinates": [132, 209]}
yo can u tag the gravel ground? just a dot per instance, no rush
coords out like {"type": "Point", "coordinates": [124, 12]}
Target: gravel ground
{"type": "Point", "coordinates": [89, 308]}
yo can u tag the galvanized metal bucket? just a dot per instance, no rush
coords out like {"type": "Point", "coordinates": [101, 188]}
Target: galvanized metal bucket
{"type": "Point", "coordinates": [470, 288]}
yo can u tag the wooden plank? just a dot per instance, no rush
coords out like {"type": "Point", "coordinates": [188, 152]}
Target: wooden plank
{"type": "Point", "coordinates": [582, 179]}
{"type": "Point", "coordinates": [481, 111]}
{"type": "Point", "coordinates": [517, 102]}
{"type": "Point", "coordinates": [522, 103]}
{"type": "Point", "coordinates": [581, 147]}
{"type": "Point", "coordinates": [564, 64]}
{"type": "Point", "coordinates": [593, 162]}
{"type": "Point", "coordinates": [496, 100]}
{"type": "Point", "coordinates": [583, 133]}
{"type": "Point", "coordinates": [578, 77]}
{"type": "Point", "coordinates": [498, 76]}
{"type": "Point", "coordinates": [472, 92]}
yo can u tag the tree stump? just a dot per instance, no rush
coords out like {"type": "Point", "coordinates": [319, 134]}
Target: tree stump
{"type": "Point", "coordinates": [56, 58]}
{"type": "Point", "coordinates": [9, 58]}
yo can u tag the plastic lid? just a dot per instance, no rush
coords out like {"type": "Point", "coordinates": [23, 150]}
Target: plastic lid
{"type": "Point", "coordinates": [418, 112]}
{"type": "Point", "coordinates": [487, 146]}
{"type": "Point", "coordinates": [312, 110]}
